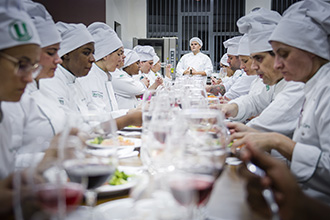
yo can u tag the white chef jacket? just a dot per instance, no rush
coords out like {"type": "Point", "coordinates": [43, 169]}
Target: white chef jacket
{"type": "Point", "coordinates": [311, 155]}
{"type": "Point", "coordinates": [33, 125]}
{"type": "Point", "coordinates": [257, 86]}
{"type": "Point", "coordinates": [6, 156]}
{"type": "Point", "coordinates": [126, 89]}
{"type": "Point", "coordinates": [277, 109]}
{"type": "Point", "coordinates": [99, 88]}
{"type": "Point", "coordinates": [240, 87]}
{"type": "Point", "coordinates": [62, 87]}
{"type": "Point", "coordinates": [229, 81]}
{"type": "Point", "coordinates": [200, 62]}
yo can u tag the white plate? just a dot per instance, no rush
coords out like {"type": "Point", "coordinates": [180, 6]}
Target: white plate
{"type": "Point", "coordinates": [137, 143]}
{"type": "Point", "coordinates": [132, 129]}
{"type": "Point", "coordinates": [110, 189]}
{"type": "Point", "coordinates": [117, 209]}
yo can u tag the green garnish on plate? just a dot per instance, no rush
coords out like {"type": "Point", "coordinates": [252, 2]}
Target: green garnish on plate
{"type": "Point", "coordinates": [119, 178]}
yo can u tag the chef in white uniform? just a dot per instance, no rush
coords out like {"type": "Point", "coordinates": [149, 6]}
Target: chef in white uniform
{"type": "Point", "coordinates": [126, 88]}
{"type": "Point", "coordinates": [98, 83]}
{"type": "Point", "coordinates": [278, 105]}
{"type": "Point", "coordinates": [76, 51]}
{"type": "Point", "coordinates": [147, 56]}
{"type": "Point", "coordinates": [301, 45]}
{"type": "Point", "coordinates": [20, 53]}
{"type": "Point", "coordinates": [195, 62]}
{"type": "Point", "coordinates": [32, 123]}
{"type": "Point", "coordinates": [246, 62]}
{"type": "Point", "coordinates": [237, 85]}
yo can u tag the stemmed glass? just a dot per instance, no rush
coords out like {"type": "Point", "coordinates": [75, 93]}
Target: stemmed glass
{"type": "Point", "coordinates": [223, 73]}
{"type": "Point", "coordinates": [55, 193]}
{"type": "Point", "coordinates": [202, 159]}
{"type": "Point", "coordinates": [93, 167]}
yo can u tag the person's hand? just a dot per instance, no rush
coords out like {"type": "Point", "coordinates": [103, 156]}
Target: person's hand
{"type": "Point", "coordinates": [239, 127]}
{"type": "Point", "coordinates": [159, 81]}
{"type": "Point", "coordinates": [145, 81]}
{"type": "Point", "coordinates": [168, 71]}
{"type": "Point", "coordinates": [132, 118]}
{"type": "Point", "coordinates": [264, 141]}
{"type": "Point", "coordinates": [229, 110]}
{"type": "Point", "coordinates": [187, 71]}
{"type": "Point", "coordinates": [215, 81]}
{"type": "Point", "coordinates": [224, 100]}
{"type": "Point", "coordinates": [288, 194]}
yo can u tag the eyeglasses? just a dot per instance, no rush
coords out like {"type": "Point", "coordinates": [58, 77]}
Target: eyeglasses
{"type": "Point", "coordinates": [23, 68]}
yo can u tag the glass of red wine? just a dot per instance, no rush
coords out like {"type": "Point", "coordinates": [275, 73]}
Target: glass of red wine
{"type": "Point", "coordinates": [94, 166]}
{"type": "Point", "coordinates": [202, 160]}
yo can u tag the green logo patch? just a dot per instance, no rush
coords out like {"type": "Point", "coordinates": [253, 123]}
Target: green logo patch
{"type": "Point", "coordinates": [20, 31]}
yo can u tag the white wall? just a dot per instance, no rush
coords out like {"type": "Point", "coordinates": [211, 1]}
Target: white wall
{"type": "Point", "coordinates": [251, 4]}
{"type": "Point", "coordinates": [132, 15]}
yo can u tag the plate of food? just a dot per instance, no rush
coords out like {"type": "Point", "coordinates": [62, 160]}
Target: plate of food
{"type": "Point", "coordinates": [132, 128]}
{"type": "Point", "coordinates": [124, 142]}
{"type": "Point", "coordinates": [123, 179]}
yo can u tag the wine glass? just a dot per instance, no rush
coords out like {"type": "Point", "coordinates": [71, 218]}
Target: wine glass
{"type": "Point", "coordinates": [55, 193]}
{"type": "Point", "coordinates": [223, 73]}
{"type": "Point", "coordinates": [93, 167]}
{"type": "Point", "coordinates": [202, 159]}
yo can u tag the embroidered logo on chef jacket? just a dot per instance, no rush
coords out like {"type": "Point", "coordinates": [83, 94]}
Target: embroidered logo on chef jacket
{"type": "Point", "coordinates": [20, 31]}
{"type": "Point", "coordinates": [97, 94]}
{"type": "Point", "coordinates": [121, 75]}
{"type": "Point", "coordinates": [61, 100]}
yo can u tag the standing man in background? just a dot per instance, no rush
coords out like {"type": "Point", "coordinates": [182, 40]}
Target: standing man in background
{"type": "Point", "coordinates": [195, 62]}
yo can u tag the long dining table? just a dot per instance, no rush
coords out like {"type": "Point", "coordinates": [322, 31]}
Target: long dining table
{"type": "Point", "coordinates": [227, 201]}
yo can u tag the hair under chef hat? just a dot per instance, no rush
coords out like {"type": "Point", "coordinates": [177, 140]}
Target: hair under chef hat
{"type": "Point", "coordinates": [44, 23]}
{"type": "Point", "coordinates": [224, 59]}
{"type": "Point", "coordinates": [106, 39]}
{"type": "Point", "coordinates": [196, 39]}
{"type": "Point", "coordinates": [73, 37]}
{"type": "Point", "coordinates": [16, 26]}
{"type": "Point", "coordinates": [306, 25]}
{"type": "Point", "coordinates": [259, 25]}
{"type": "Point", "coordinates": [131, 57]}
{"type": "Point", "coordinates": [145, 52]}
{"type": "Point", "coordinates": [232, 45]}
{"type": "Point", "coordinates": [243, 47]}
{"type": "Point", "coordinates": [155, 59]}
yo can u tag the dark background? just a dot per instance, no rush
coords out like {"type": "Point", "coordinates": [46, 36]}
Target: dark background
{"type": "Point", "coordinates": [75, 11]}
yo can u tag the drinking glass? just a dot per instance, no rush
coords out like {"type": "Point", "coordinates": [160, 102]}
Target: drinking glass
{"type": "Point", "coordinates": [223, 73]}
{"type": "Point", "coordinates": [92, 167]}
{"type": "Point", "coordinates": [202, 159]}
{"type": "Point", "coordinates": [55, 193]}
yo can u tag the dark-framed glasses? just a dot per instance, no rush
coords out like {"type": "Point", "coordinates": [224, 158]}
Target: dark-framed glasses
{"type": "Point", "coordinates": [23, 68]}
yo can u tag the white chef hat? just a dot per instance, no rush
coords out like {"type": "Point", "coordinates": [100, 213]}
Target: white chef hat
{"type": "Point", "coordinates": [73, 37]}
{"type": "Point", "coordinates": [16, 26]}
{"type": "Point", "coordinates": [306, 25]}
{"type": "Point", "coordinates": [44, 23]}
{"type": "Point", "coordinates": [232, 45]}
{"type": "Point", "coordinates": [243, 47]}
{"type": "Point", "coordinates": [198, 40]}
{"type": "Point", "coordinates": [131, 57]}
{"type": "Point", "coordinates": [155, 59]}
{"type": "Point", "coordinates": [224, 59]}
{"type": "Point", "coordinates": [106, 39]}
{"type": "Point", "coordinates": [259, 24]}
{"type": "Point", "coordinates": [145, 52]}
